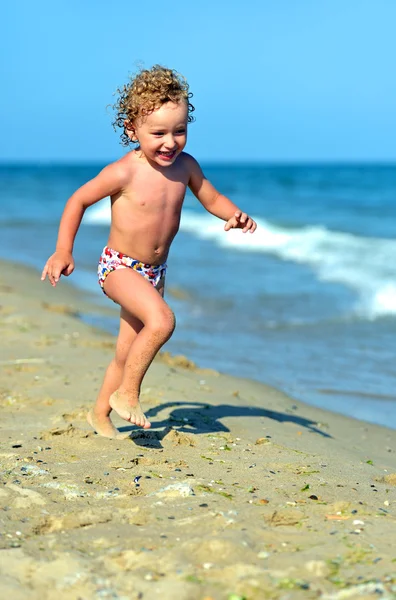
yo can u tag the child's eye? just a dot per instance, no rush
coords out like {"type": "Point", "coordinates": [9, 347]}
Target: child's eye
{"type": "Point", "coordinates": [158, 133]}
{"type": "Point", "coordinates": [180, 131]}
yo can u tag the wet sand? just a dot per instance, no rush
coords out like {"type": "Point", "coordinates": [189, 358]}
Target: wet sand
{"type": "Point", "coordinates": [237, 491]}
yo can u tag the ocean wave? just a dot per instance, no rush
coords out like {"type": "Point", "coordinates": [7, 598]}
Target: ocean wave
{"type": "Point", "coordinates": [364, 265]}
{"type": "Point", "coordinates": [99, 214]}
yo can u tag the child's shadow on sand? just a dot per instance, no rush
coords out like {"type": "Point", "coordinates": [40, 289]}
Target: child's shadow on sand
{"type": "Point", "coordinates": [196, 417]}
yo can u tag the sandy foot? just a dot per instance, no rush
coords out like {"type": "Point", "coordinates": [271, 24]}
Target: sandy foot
{"type": "Point", "coordinates": [104, 426]}
{"type": "Point", "coordinates": [134, 414]}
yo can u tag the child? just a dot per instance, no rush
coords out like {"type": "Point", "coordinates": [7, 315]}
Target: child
{"type": "Point", "coordinates": [147, 188]}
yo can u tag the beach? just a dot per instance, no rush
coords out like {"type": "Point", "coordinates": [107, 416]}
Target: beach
{"type": "Point", "coordinates": [238, 491]}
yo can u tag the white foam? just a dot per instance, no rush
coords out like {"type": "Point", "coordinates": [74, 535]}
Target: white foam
{"type": "Point", "coordinates": [365, 265]}
{"type": "Point", "coordinates": [99, 214]}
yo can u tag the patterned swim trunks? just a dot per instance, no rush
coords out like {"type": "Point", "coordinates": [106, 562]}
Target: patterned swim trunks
{"type": "Point", "coordinates": [111, 260]}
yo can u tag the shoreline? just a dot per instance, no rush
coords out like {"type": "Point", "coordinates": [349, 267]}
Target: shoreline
{"type": "Point", "coordinates": [236, 488]}
{"type": "Point", "coordinates": [94, 307]}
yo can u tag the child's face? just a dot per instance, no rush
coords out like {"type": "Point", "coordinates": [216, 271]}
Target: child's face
{"type": "Point", "coordinates": [162, 135]}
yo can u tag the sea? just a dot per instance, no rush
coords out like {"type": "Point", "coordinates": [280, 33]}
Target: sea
{"type": "Point", "coordinates": [306, 304]}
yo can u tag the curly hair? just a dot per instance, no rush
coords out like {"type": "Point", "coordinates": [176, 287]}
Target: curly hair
{"type": "Point", "coordinates": [148, 90]}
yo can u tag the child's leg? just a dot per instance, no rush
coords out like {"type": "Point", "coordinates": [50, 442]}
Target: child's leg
{"type": "Point", "coordinates": [139, 298]}
{"type": "Point", "coordinates": [98, 417]}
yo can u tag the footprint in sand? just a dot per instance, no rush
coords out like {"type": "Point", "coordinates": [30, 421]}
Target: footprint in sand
{"type": "Point", "coordinates": [76, 415]}
{"type": "Point", "coordinates": [69, 431]}
{"type": "Point", "coordinates": [179, 438]}
{"type": "Point", "coordinates": [77, 520]}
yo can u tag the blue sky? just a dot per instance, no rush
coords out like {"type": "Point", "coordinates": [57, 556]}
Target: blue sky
{"type": "Point", "coordinates": [280, 80]}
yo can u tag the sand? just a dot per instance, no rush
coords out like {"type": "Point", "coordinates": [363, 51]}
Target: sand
{"type": "Point", "coordinates": [237, 491]}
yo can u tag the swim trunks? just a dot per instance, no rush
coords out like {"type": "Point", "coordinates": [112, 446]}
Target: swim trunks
{"type": "Point", "coordinates": [111, 260]}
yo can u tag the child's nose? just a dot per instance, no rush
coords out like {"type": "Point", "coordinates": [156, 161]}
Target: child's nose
{"type": "Point", "coordinates": [170, 142]}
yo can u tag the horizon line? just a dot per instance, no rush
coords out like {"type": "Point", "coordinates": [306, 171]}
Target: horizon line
{"type": "Point", "coordinates": [210, 162]}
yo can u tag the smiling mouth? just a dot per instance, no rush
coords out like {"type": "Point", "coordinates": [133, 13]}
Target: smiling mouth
{"type": "Point", "coordinates": [166, 155]}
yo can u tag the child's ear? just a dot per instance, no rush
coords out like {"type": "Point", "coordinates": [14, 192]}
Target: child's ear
{"type": "Point", "coordinates": [130, 130]}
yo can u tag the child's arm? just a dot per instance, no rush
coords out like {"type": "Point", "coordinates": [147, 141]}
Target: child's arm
{"type": "Point", "coordinates": [107, 183]}
{"type": "Point", "coordinates": [216, 203]}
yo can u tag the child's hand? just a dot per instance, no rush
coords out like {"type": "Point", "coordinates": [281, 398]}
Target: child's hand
{"type": "Point", "coordinates": [242, 221]}
{"type": "Point", "coordinates": [60, 263]}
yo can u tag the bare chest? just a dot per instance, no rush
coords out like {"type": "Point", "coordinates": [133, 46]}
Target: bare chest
{"type": "Point", "coordinates": [155, 193]}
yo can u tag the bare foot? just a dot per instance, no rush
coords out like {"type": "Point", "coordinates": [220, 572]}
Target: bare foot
{"type": "Point", "coordinates": [134, 414]}
{"type": "Point", "coordinates": [103, 426]}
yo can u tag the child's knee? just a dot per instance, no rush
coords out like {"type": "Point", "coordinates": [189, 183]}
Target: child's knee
{"type": "Point", "coordinates": [163, 323]}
